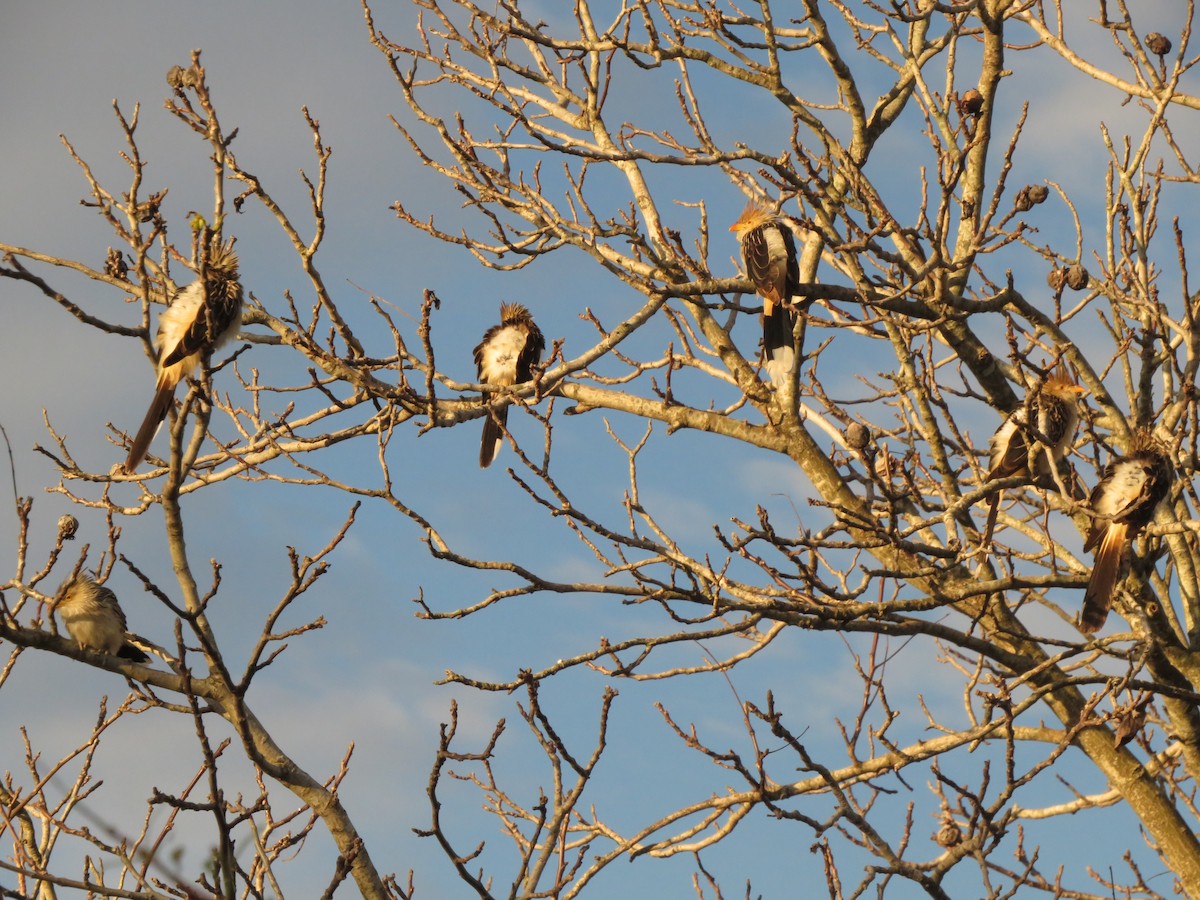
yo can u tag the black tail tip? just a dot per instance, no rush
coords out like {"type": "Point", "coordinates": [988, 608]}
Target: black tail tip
{"type": "Point", "coordinates": [134, 654]}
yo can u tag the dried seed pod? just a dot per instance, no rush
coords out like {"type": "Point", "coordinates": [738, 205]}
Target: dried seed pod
{"type": "Point", "coordinates": [1077, 277]}
{"type": "Point", "coordinates": [67, 526]}
{"type": "Point", "coordinates": [179, 78]}
{"type": "Point", "coordinates": [970, 103]}
{"type": "Point", "coordinates": [1158, 44]}
{"type": "Point", "coordinates": [147, 210]}
{"type": "Point", "coordinates": [1030, 196]}
{"type": "Point", "coordinates": [1129, 723]}
{"type": "Point", "coordinates": [1130, 719]}
{"type": "Point", "coordinates": [114, 264]}
{"type": "Point", "coordinates": [1056, 279]}
{"type": "Point", "coordinates": [857, 435]}
{"type": "Point", "coordinates": [949, 835]}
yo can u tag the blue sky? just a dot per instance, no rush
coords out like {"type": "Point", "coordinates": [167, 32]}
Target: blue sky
{"type": "Point", "coordinates": [368, 677]}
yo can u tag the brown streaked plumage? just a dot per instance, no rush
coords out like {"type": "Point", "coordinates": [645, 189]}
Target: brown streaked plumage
{"type": "Point", "coordinates": [506, 356]}
{"type": "Point", "coordinates": [94, 618]}
{"type": "Point", "coordinates": [1053, 411]}
{"type": "Point", "coordinates": [769, 254]}
{"type": "Point", "coordinates": [201, 317]}
{"type": "Point", "coordinates": [1123, 502]}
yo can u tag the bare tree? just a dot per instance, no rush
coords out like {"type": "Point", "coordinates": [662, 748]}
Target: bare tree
{"type": "Point", "coordinates": [933, 305]}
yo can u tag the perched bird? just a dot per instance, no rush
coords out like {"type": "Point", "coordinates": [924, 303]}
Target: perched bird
{"type": "Point", "coordinates": [506, 355]}
{"type": "Point", "coordinates": [769, 254]}
{"type": "Point", "coordinates": [201, 317]}
{"type": "Point", "coordinates": [1047, 422]}
{"type": "Point", "coordinates": [94, 618]}
{"type": "Point", "coordinates": [1123, 503]}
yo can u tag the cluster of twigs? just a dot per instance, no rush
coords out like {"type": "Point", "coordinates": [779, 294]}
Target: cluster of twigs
{"type": "Point", "coordinates": [926, 322]}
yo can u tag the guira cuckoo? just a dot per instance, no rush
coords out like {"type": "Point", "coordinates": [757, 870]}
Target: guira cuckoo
{"type": "Point", "coordinates": [1123, 502]}
{"type": "Point", "coordinates": [200, 318]}
{"type": "Point", "coordinates": [1045, 422]}
{"type": "Point", "coordinates": [506, 356]}
{"type": "Point", "coordinates": [769, 254]}
{"type": "Point", "coordinates": [94, 618]}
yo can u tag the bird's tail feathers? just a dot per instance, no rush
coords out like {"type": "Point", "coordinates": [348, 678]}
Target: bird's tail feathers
{"type": "Point", "coordinates": [493, 435]}
{"type": "Point", "coordinates": [163, 395]}
{"type": "Point", "coordinates": [993, 512]}
{"type": "Point", "coordinates": [779, 352]}
{"type": "Point", "coordinates": [1097, 600]}
{"type": "Point", "coordinates": [132, 652]}
{"type": "Point", "coordinates": [779, 364]}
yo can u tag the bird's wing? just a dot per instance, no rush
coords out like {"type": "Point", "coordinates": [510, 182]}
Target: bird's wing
{"type": "Point", "coordinates": [196, 322]}
{"type": "Point", "coordinates": [481, 355]}
{"type": "Point", "coordinates": [105, 596]}
{"type": "Point", "coordinates": [1009, 448]}
{"type": "Point", "coordinates": [531, 353]}
{"type": "Point", "coordinates": [769, 252]}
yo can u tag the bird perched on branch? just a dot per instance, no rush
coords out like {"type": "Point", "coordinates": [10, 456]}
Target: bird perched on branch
{"type": "Point", "coordinates": [506, 356]}
{"type": "Point", "coordinates": [1046, 422]}
{"type": "Point", "coordinates": [769, 254]}
{"type": "Point", "coordinates": [201, 317]}
{"type": "Point", "coordinates": [94, 618]}
{"type": "Point", "coordinates": [1123, 503]}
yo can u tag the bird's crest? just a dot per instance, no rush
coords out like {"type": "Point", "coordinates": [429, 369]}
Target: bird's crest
{"type": "Point", "coordinates": [756, 213]}
{"type": "Point", "coordinates": [513, 312]}
{"type": "Point", "coordinates": [1062, 381]}
{"type": "Point", "coordinates": [79, 579]}
{"type": "Point", "coordinates": [1145, 441]}
{"type": "Point", "coordinates": [72, 581]}
{"type": "Point", "coordinates": [222, 260]}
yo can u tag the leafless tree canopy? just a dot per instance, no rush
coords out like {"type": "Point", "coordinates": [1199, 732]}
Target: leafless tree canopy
{"type": "Point", "coordinates": [940, 292]}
